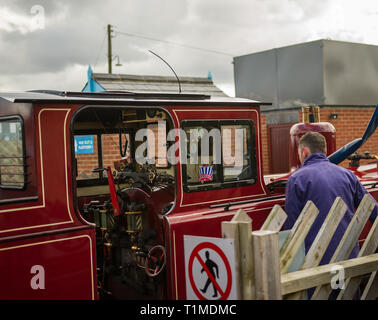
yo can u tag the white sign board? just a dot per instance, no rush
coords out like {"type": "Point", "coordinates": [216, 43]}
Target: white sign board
{"type": "Point", "coordinates": [209, 268]}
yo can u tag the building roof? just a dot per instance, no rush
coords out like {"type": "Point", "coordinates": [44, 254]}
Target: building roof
{"type": "Point", "coordinates": [145, 84]}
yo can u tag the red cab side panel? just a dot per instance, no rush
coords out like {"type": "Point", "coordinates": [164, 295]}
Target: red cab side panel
{"type": "Point", "coordinates": [52, 267]}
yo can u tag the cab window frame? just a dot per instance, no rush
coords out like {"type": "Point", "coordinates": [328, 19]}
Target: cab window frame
{"type": "Point", "coordinates": [220, 182]}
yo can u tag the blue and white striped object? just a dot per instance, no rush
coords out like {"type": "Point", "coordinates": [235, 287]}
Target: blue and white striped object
{"type": "Point", "coordinates": [206, 173]}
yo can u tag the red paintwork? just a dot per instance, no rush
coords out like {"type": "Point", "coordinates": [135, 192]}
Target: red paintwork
{"type": "Point", "coordinates": [206, 223]}
{"type": "Point", "coordinates": [50, 231]}
{"type": "Point", "coordinates": [67, 260]}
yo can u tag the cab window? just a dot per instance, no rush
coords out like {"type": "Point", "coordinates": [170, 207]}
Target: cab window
{"type": "Point", "coordinates": [218, 154]}
{"type": "Point", "coordinates": [12, 153]}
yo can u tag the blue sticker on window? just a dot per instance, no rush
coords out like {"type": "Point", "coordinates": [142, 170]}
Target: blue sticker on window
{"type": "Point", "coordinates": [84, 145]}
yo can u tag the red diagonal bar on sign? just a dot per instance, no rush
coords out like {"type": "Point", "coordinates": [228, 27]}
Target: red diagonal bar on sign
{"type": "Point", "coordinates": [204, 266]}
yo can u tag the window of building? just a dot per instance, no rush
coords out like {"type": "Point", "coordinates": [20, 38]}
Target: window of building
{"type": "Point", "coordinates": [12, 153]}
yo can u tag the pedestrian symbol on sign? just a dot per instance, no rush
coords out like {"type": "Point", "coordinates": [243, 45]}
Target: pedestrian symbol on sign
{"type": "Point", "coordinates": [211, 265]}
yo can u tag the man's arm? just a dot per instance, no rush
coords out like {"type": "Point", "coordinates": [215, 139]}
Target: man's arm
{"type": "Point", "coordinates": [293, 203]}
{"type": "Point", "coordinates": [360, 192]}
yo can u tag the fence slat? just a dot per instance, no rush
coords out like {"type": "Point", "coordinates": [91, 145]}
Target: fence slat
{"type": "Point", "coordinates": [348, 241]}
{"type": "Point", "coordinates": [307, 278]}
{"type": "Point", "coordinates": [369, 247]}
{"type": "Point", "coordinates": [322, 240]}
{"type": "Point", "coordinates": [275, 220]}
{"type": "Point", "coordinates": [371, 289]}
{"type": "Point", "coordinates": [267, 265]}
{"type": "Point", "coordinates": [297, 235]}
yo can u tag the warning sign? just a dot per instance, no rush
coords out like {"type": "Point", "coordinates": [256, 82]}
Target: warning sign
{"type": "Point", "coordinates": [209, 268]}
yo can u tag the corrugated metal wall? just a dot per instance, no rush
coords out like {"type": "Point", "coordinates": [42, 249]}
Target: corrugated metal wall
{"type": "Point", "coordinates": [322, 72]}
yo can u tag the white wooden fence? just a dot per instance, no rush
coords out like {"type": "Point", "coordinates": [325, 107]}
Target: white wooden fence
{"type": "Point", "coordinates": [262, 268]}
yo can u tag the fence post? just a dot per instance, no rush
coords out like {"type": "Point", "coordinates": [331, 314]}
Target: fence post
{"type": "Point", "coordinates": [239, 229]}
{"type": "Point", "coordinates": [266, 260]}
{"type": "Point", "coordinates": [246, 252]}
{"type": "Point", "coordinates": [230, 230]}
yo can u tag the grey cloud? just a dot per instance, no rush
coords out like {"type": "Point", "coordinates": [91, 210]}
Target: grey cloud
{"type": "Point", "coordinates": [75, 31]}
{"type": "Point", "coordinates": [77, 38]}
{"type": "Point", "coordinates": [24, 6]}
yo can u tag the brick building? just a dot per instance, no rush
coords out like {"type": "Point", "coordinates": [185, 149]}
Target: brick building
{"type": "Point", "coordinates": [339, 77]}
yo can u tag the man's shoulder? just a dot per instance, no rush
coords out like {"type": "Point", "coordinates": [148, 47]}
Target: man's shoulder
{"type": "Point", "coordinates": [341, 169]}
{"type": "Point", "coordinates": [301, 172]}
{"type": "Point", "coordinates": [310, 170]}
{"type": "Point", "coordinates": [304, 170]}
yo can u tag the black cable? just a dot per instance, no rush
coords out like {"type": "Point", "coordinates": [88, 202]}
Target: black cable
{"type": "Point", "coordinates": [173, 43]}
{"type": "Point", "coordinates": [178, 80]}
{"type": "Point", "coordinates": [98, 54]}
{"type": "Point", "coordinates": [122, 152]}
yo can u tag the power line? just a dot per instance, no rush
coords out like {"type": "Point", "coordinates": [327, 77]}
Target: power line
{"type": "Point", "coordinates": [173, 43]}
{"type": "Point", "coordinates": [98, 54]}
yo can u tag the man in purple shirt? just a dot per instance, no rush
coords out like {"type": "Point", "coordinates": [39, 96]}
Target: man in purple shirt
{"type": "Point", "coordinates": [321, 181]}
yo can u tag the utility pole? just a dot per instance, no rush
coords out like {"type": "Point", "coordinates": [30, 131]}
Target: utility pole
{"type": "Point", "coordinates": [110, 49]}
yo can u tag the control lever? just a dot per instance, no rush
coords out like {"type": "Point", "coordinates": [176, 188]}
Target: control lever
{"type": "Point", "coordinates": [113, 193]}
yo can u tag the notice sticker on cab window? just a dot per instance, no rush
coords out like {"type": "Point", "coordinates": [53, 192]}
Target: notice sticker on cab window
{"type": "Point", "coordinates": [206, 173]}
{"type": "Point", "coordinates": [84, 145]}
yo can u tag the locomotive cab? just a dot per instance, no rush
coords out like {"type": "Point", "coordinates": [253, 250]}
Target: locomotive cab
{"type": "Point", "coordinates": [100, 189]}
{"type": "Point", "coordinates": [124, 188]}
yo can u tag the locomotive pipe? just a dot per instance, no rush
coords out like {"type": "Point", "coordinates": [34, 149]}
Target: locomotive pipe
{"type": "Point", "coordinates": [341, 154]}
{"type": "Point", "coordinates": [316, 112]}
{"type": "Point", "coordinates": [305, 114]}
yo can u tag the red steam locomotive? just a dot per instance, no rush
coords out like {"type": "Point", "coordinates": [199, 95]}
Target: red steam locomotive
{"type": "Point", "coordinates": [97, 190]}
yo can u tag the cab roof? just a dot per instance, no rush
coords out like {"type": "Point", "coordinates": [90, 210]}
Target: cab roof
{"type": "Point", "coordinates": [123, 97]}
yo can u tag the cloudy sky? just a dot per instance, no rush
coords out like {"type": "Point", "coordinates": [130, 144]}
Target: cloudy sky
{"type": "Point", "coordinates": [48, 44]}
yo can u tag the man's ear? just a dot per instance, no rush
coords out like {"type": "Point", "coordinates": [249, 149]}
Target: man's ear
{"type": "Point", "coordinates": [306, 151]}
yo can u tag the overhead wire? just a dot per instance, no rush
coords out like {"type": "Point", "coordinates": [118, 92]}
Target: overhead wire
{"type": "Point", "coordinates": [172, 43]}
{"type": "Point", "coordinates": [98, 54]}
